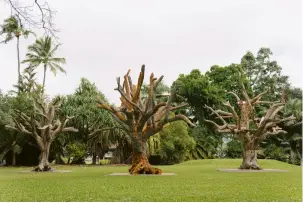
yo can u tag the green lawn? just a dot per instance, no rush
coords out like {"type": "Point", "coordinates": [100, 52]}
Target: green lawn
{"type": "Point", "coordinates": [196, 181]}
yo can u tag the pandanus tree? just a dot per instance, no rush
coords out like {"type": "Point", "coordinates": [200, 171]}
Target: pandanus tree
{"type": "Point", "coordinates": [142, 118]}
{"type": "Point", "coordinates": [249, 129]}
{"type": "Point", "coordinates": [43, 125]}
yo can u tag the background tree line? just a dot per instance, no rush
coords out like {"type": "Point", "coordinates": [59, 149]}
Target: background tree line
{"type": "Point", "coordinates": [97, 131]}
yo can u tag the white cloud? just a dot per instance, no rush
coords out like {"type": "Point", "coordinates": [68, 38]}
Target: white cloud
{"type": "Point", "coordinates": [102, 39]}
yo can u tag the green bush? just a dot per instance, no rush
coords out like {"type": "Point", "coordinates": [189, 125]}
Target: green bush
{"type": "Point", "coordinates": [274, 152]}
{"type": "Point", "coordinates": [234, 149]}
{"type": "Point", "coordinates": [76, 151]}
{"type": "Point", "coordinates": [175, 143]}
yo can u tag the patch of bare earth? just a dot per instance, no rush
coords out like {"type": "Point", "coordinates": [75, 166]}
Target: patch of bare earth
{"type": "Point", "coordinates": [128, 174]}
{"type": "Point", "coordinates": [251, 171]}
{"type": "Point", "coordinates": [53, 171]}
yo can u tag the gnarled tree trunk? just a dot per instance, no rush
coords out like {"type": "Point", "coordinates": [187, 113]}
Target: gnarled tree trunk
{"type": "Point", "coordinates": [250, 160]}
{"type": "Point", "coordinates": [140, 163]}
{"type": "Point", "coordinates": [43, 158]}
{"type": "Point", "coordinates": [249, 155]}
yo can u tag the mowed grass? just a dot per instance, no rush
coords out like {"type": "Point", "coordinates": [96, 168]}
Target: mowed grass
{"type": "Point", "coordinates": [195, 181]}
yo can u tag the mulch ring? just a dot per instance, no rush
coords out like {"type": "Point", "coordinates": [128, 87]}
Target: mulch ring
{"type": "Point", "coordinates": [53, 171]}
{"type": "Point", "coordinates": [128, 174]}
{"type": "Point", "coordinates": [250, 171]}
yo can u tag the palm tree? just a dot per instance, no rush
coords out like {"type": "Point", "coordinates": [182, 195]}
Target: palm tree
{"type": "Point", "coordinates": [13, 28]}
{"type": "Point", "coordinates": [43, 52]}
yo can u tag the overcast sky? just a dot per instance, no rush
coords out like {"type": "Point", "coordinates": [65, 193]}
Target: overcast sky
{"type": "Point", "coordinates": [102, 39]}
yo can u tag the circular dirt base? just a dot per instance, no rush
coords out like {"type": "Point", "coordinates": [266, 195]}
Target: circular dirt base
{"type": "Point", "coordinates": [53, 171]}
{"type": "Point", "coordinates": [128, 174]}
{"type": "Point", "coordinates": [251, 171]}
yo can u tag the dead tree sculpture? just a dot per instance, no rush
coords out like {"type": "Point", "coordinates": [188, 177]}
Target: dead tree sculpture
{"type": "Point", "coordinates": [43, 127]}
{"type": "Point", "coordinates": [142, 118]}
{"type": "Point", "coordinates": [248, 129]}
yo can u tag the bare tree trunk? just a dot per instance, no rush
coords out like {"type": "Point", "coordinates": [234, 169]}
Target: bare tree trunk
{"type": "Point", "coordinates": [18, 58]}
{"type": "Point", "coordinates": [44, 76]}
{"type": "Point", "coordinates": [43, 162]}
{"type": "Point", "coordinates": [59, 159]}
{"type": "Point", "coordinates": [249, 156]}
{"type": "Point", "coordinates": [13, 159]}
{"type": "Point", "coordinates": [140, 163]}
{"type": "Point", "coordinates": [94, 159]}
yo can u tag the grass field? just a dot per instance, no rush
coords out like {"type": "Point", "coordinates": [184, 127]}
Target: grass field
{"type": "Point", "coordinates": [195, 181]}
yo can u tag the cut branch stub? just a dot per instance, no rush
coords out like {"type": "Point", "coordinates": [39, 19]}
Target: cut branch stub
{"type": "Point", "coordinates": [137, 113]}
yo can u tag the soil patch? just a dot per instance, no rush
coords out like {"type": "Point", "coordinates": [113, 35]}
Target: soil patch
{"type": "Point", "coordinates": [250, 171]}
{"type": "Point", "coordinates": [127, 174]}
{"type": "Point", "coordinates": [53, 171]}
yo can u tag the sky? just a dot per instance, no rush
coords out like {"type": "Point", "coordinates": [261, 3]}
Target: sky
{"type": "Point", "coordinates": [101, 39]}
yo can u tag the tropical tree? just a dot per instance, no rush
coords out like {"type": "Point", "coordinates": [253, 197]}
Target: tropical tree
{"type": "Point", "coordinates": [43, 125]}
{"type": "Point", "coordinates": [234, 149]}
{"type": "Point", "coordinates": [12, 27]}
{"type": "Point", "coordinates": [141, 119]}
{"type": "Point", "coordinates": [206, 143]}
{"type": "Point", "coordinates": [198, 90]}
{"type": "Point", "coordinates": [92, 124]}
{"type": "Point", "coordinates": [249, 129]}
{"type": "Point", "coordinates": [43, 52]}
{"type": "Point", "coordinates": [175, 143]}
{"type": "Point", "coordinates": [264, 73]}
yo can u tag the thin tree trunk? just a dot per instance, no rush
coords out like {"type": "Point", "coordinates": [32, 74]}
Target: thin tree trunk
{"type": "Point", "coordinates": [94, 159]}
{"type": "Point", "coordinates": [59, 159]}
{"type": "Point", "coordinates": [44, 76]}
{"type": "Point", "coordinates": [18, 57]}
{"type": "Point", "coordinates": [13, 159]}
{"type": "Point", "coordinates": [140, 163]}
{"type": "Point", "coordinates": [249, 156]}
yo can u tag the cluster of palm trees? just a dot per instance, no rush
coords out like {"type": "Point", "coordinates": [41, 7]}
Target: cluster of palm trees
{"type": "Point", "coordinates": [41, 52]}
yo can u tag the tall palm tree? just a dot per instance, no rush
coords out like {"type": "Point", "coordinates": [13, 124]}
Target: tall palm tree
{"type": "Point", "coordinates": [43, 52]}
{"type": "Point", "coordinates": [12, 27]}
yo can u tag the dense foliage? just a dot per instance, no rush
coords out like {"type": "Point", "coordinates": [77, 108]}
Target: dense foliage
{"type": "Point", "coordinates": [99, 133]}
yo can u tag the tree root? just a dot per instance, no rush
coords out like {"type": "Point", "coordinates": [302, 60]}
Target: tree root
{"type": "Point", "coordinates": [250, 167]}
{"type": "Point", "coordinates": [142, 166]}
{"type": "Point", "coordinates": [141, 169]}
{"type": "Point", "coordinates": [43, 169]}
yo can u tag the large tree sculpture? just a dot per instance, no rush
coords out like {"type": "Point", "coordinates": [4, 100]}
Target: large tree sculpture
{"type": "Point", "coordinates": [142, 118]}
{"type": "Point", "coordinates": [43, 127]}
{"type": "Point", "coordinates": [248, 129]}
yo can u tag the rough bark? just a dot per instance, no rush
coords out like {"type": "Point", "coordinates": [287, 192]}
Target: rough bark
{"type": "Point", "coordinates": [44, 165]}
{"type": "Point", "coordinates": [140, 163]}
{"type": "Point", "coordinates": [250, 160]}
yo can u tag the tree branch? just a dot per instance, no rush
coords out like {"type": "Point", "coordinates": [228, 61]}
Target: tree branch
{"type": "Point", "coordinates": [120, 90]}
{"type": "Point", "coordinates": [235, 95]}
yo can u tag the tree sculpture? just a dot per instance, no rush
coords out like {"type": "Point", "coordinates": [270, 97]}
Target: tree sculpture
{"type": "Point", "coordinates": [248, 129]}
{"type": "Point", "coordinates": [142, 118]}
{"type": "Point", "coordinates": [43, 126]}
